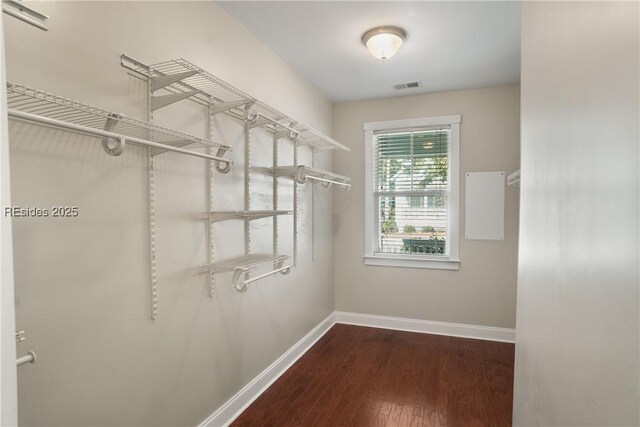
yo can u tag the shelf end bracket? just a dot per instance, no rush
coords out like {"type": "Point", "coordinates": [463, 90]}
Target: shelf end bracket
{"type": "Point", "coordinates": [158, 102]}
{"type": "Point", "coordinates": [221, 107]}
{"type": "Point", "coordinates": [162, 81]}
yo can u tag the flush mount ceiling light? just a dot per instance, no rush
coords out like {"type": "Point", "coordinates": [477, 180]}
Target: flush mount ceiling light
{"type": "Point", "coordinates": [384, 42]}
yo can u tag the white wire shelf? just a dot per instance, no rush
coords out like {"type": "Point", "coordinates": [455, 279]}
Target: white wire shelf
{"type": "Point", "coordinates": [181, 79]}
{"type": "Point", "coordinates": [217, 216]}
{"type": "Point", "coordinates": [303, 174]}
{"type": "Point", "coordinates": [247, 264]}
{"type": "Point", "coordinates": [310, 137]}
{"type": "Point", "coordinates": [514, 179]}
{"type": "Point", "coordinates": [30, 104]}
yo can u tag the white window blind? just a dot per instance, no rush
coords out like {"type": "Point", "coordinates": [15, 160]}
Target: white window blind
{"type": "Point", "coordinates": [411, 187]}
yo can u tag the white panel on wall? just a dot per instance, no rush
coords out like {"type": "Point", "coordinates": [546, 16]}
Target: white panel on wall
{"type": "Point", "coordinates": [484, 206]}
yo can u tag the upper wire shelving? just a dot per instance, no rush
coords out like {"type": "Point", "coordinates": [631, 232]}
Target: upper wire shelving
{"type": "Point", "coordinates": [115, 130]}
{"type": "Point", "coordinates": [180, 79]}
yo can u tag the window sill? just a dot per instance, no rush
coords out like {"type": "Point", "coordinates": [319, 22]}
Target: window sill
{"type": "Point", "coordinates": [412, 262]}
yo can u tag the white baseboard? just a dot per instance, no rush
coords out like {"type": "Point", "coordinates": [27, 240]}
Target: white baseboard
{"type": "Point", "coordinates": [233, 407]}
{"type": "Point", "coordinates": [488, 333]}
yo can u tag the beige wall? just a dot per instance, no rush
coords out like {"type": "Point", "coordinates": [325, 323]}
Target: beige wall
{"type": "Point", "coordinates": [82, 284]}
{"type": "Point", "coordinates": [577, 347]}
{"type": "Point", "coordinates": [483, 291]}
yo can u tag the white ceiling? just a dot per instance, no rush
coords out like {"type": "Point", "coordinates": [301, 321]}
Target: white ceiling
{"type": "Point", "coordinates": [450, 45]}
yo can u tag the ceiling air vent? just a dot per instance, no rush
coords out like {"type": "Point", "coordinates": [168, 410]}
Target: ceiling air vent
{"type": "Point", "coordinates": [409, 85]}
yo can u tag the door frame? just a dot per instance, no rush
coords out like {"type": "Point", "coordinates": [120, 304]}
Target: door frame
{"type": "Point", "coordinates": [8, 368]}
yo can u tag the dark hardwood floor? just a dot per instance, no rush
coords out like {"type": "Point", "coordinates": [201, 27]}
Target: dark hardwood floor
{"type": "Point", "coordinates": [361, 376]}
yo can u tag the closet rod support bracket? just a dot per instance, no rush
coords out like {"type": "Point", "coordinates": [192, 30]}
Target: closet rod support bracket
{"type": "Point", "coordinates": [113, 146]}
{"type": "Point", "coordinates": [222, 167]}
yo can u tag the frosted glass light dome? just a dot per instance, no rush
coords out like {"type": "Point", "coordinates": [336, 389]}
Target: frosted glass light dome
{"type": "Point", "coordinates": [384, 42]}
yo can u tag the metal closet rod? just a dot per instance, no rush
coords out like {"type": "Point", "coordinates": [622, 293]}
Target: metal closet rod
{"type": "Point", "coordinates": [104, 133]}
{"type": "Point", "coordinates": [286, 269]}
{"type": "Point", "coordinates": [283, 269]}
{"type": "Point", "coordinates": [329, 181]}
{"type": "Point", "coordinates": [28, 358]}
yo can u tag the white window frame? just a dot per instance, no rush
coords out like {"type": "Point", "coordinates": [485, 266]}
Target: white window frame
{"type": "Point", "coordinates": [451, 261]}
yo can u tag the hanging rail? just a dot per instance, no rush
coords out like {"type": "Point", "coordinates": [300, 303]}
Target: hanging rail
{"type": "Point", "coordinates": [303, 173]}
{"type": "Point", "coordinates": [327, 182]}
{"type": "Point", "coordinates": [27, 358]}
{"type": "Point", "coordinates": [284, 270]}
{"type": "Point", "coordinates": [121, 139]}
{"type": "Point", "coordinates": [246, 264]}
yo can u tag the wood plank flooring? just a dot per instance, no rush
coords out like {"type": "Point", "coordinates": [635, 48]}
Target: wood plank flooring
{"type": "Point", "coordinates": [359, 376]}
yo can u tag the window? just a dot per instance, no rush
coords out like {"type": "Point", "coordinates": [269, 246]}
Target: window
{"type": "Point", "coordinates": [416, 202]}
{"type": "Point", "coordinates": [411, 213]}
